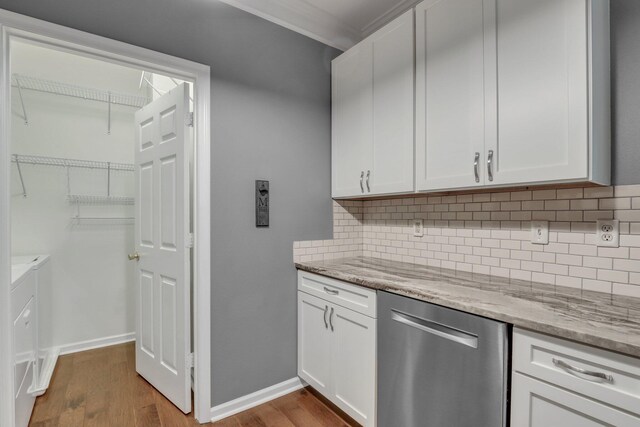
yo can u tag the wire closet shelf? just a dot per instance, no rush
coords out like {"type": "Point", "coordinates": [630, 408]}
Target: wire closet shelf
{"type": "Point", "coordinates": [70, 163]}
{"type": "Point", "coordinates": [81, 199]}
{"type": "Point", "coordinates": [49, 86]}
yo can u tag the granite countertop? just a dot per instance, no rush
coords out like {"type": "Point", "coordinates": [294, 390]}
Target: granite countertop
{"type": "Point", "coordinates": [599, 319]}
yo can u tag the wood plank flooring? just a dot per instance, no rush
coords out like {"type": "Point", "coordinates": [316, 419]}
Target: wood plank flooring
{"type": "Point", "coordinates": [101, 388]}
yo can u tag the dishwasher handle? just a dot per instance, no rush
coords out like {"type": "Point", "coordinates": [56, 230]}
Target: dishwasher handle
{"type": "Point", "coordinates": [436, 328]}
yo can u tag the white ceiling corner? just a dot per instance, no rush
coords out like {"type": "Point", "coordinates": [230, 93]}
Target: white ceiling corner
{"type": "Point", "coordinates": [337, 23]}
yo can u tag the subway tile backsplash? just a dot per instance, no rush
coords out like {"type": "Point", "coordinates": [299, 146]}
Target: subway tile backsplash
{"type": "Point", "coordinates": [490, 233]}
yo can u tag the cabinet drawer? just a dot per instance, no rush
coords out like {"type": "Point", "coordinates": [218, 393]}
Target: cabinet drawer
{"type": "Point", "coordinates": [560, 362]}
{"type": "Point", "coordinates": [23, 292]}
{"type": "Point", "coordinates": [538, 404]}
{"type": "Point", "coordinates": [353, 297]}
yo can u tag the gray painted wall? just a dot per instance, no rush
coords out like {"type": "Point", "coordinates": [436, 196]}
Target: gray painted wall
{"type": "Point", "coordinates": [270, 116]}
{"type": "Point", "coordinates": [270, 120]}
{"type": "Point", "coordinates": [625, 86]}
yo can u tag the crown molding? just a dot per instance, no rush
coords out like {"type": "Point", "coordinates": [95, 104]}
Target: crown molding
{"type": "Point", "coordinates": [303, 18]}
{"type": "Point", "coordinates": [393, 12]}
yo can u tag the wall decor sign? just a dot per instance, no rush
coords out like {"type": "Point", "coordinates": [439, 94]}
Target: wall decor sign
{"type": "Point", "coordinates": [262, 203]}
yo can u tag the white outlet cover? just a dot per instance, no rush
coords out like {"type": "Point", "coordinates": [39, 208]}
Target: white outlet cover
{"type": "Point", "coordinates": [540, 232]}
{"type": "Point", "coordinates": [608, 233]}
{"type": "Point", "coordinates": [418, 228]}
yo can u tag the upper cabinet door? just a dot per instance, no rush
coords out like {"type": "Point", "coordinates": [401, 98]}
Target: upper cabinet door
{"type": "Point", "coordinates": [352, 101]}
{"type": "Point", "coordinates": [449, 94]}
{"type": "Point", "coordinates": [542, 92]}
{"type": "Point", "coordinates": [393, 99]}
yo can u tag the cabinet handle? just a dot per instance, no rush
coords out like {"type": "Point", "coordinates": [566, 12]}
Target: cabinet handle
{"type": "Point", "coordinates": [331, 291]}
{"type": "Point", "coordinates": [476, 166]}
{"type": "Point", "coordinates": [361, 181]}
{"type": "Point", "coordinates": [368, 175]}
{"type": "Point", "coordinates": [331, 319]}
{"type": "Point", "coordinates": [597, 376]}
{"type": "Point", "coordinates": [490, 165]}
{"type": "Point", "coordinates": [326, 325]}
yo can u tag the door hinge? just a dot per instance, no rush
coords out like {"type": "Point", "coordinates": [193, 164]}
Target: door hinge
{"type": "Point", "coordinates": [189, 240]}
{"type": "Point", "coordinates": [189, 119]}
{"type": "Point", "coordinates": [190, 361]}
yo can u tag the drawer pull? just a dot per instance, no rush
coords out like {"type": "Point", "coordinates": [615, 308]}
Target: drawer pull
{"type": "Point", "coordinates": [331, 319]}
{"type": "Point", "coordinates": [596, 376]}
{"type": "Point", "coordinates": [326, 325]}
{"type": "Point", "coordinates": [331, 291]}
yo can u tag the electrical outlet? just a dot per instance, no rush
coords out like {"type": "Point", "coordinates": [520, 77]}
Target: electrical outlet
{"type": "Point", "coordinates": [540, 232]}
{"type": "Point", "coordinates": [418, 228]}
{"type": "Point", "coordinates": [608, 233]}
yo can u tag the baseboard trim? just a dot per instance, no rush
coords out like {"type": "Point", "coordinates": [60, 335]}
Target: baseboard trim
{"type": "Point", "coordinates": [96, 343]}
{"type": "Point", "coordinates": [254, 399]}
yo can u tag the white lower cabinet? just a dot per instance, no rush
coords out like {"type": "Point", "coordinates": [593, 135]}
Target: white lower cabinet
{"type": "Point", "coordinates": [314, 342]}
{"type": "Point", "coordinates": [560, 383]}
{"type": "Point", "coordinates": [538, 404]}
{"type": "Point", "coordinates": [337, 353]}
{"type": "Point", "coordinates": [353, 364]}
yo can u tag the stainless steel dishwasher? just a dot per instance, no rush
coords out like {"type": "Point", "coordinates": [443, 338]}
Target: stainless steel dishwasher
{"type": "Point", "coordinates": [439, 367]}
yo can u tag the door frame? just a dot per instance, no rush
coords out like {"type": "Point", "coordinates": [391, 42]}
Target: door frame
{"type": "Point", "coordinates": [13, 25]}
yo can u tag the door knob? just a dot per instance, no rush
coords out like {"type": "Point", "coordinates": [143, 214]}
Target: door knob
{"type": "Point", "coordinates": [135, 256]}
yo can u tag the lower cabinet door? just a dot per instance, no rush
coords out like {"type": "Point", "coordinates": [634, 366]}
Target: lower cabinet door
{"type": "Point", "coordinates": [314, 343]}
{"type": "Point", "coordinates": [354, 363]}
{"type": "Point", "coordinates": [539, 404]}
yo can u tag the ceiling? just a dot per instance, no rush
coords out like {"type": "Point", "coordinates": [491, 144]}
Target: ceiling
{"type": "Point", "coordinates": [338, 23]}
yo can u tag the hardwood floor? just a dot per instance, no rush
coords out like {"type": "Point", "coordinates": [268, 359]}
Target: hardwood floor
{"type": "Point", "coordinates": [101, 388]}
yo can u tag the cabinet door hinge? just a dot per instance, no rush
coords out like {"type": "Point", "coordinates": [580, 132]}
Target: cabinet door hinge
{"type": "Point", "coordinates": [189, 240]}
{"type": "Point", "coordinates": [189, 119]}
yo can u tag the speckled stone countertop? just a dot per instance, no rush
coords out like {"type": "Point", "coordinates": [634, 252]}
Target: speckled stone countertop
{"type": "Point", "coordinates": [603, 320]}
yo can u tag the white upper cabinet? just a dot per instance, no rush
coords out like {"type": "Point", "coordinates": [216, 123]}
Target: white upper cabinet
{"type": "Point", "coordinates": [507, 93]}
{"type": "Point", "coordinates": [393, 93]}
{"type": "Point", "coordinates": [511, 92]}
{"type": "Point", "coordinates": [449, 94]}
{"type": "Point", "coordinates": [352, 121]}
{"type": "Point", "coordinates": [372, 104]}
{"type": "Point", "coordinates": [548, 129]}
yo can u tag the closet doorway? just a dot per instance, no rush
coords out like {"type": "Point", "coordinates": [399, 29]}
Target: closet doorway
{"type": "Point", "coordinates": [104, 155]}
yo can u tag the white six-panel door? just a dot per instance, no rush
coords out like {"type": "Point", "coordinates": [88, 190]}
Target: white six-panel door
{"type": "Point", "coordinates": [163, 339]}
